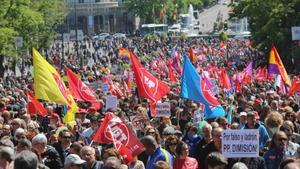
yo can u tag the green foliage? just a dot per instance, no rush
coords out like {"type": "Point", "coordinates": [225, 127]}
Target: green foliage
{"type": "Point", "coordinates": [182, 37]}
{"type": "Point", "coordinates": [34, 20]}
{"type": "Point", "coordinates": [164, 36]}
{"type": "Point", "coordinates": [153, 11]}
{"type": "Point", "coordinates": [151, 36]}
{"type": "Point", "coordinates": [223, 36]}
{"type": "Point", "coordinates": [270, 22]}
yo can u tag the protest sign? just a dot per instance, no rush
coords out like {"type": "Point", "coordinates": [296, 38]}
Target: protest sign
{"type": "Point", "coordinates": [240, 143]}
{"type": "Point", "coordinates": [105, 87]}
{"type": "Point", "coordinates": [163, 109]}
{"type": "Point", "coordinates": [111, 102]}
{"type": "Point", "coordinates": [198, 116]}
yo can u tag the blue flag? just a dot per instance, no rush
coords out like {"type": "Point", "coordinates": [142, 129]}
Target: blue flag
{"type": "Point", "coordinates": [194, 88]}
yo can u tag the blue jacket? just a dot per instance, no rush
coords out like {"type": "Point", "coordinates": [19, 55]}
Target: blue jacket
{"type": "Point", "coordinates": [159, 154]}
{"type": "Point", "coordinates": [263, 134]}
{"type": "Point", "coordinates": [273, 158]}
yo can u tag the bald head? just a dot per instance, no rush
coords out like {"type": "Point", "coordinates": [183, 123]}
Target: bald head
{"type": "Point", "coordinates": [150, 144]}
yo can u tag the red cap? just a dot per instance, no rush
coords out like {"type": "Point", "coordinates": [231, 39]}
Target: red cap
{"type": "Point", "coordinates": [54, 115]}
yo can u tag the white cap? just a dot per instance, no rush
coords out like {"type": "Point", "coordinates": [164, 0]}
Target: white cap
{"type": "Point", "coordinates": [243, 113]}
{"type": "Point", "coordinates": [73, 159]}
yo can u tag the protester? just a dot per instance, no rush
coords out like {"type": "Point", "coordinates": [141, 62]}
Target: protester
{"type": "Point", "coordinates": [73, 161]}
{"type": "Point", "coordinates": [277, 150]}
{"type": "Point", "coordinates": [215, 160]}
{"type": "Point", "coordinates": [26, 160]}
{"type": "Point", "coordinates": [155, 152]}
{"type": "Point", "coordinates": [183, 161]}
{"type": "Point", "coordinates": [252, 102]}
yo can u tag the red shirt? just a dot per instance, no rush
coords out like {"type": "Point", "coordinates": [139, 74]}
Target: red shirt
{"type": "Point", "coordinates": [187, 163]}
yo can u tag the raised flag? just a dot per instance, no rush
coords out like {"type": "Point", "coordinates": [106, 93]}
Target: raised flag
{"type": "Point", "coordinates": [123, 53]}
{"type": "Point", "coordinates": [295, 87]}
{"type": "Point", "coordinates": [193, 58]}
{"type": "Point", "coordinates": [224, 79]}
{"type": "Point", "coordinates": [148, 85]}
{"type": "Point", "coordinates": [49, 86]}
{"type": "Point", "coordinates": [170, 73]}
{"type": "Point", "coordinates": [34, 106]}
{"type": "Point", "coordinates": [192, 87]}
{"type": "Point", "coordinates": [276, 66]}
{"type": "Point", "coordinates": [114, 130]}
{"type": "Point", "coordinates": [80, 91]}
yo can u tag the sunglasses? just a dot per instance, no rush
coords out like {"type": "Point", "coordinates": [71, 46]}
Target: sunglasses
{"type": "Point", "coordinates": [66, 137]}
{"type": "Point", "coordinates": [173, 144]}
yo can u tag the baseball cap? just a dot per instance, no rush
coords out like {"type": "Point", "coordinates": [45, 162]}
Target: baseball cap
{"type": "Point", "coordinates": [54, 116]}
{"type": "Point", "coordinates": [73, 159]}
{"type": "Point", "coordinates": [243, 113]}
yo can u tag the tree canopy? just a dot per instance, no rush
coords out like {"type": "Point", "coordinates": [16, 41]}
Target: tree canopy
{"type": "Point", "coordinates": [154, 11]}
{"type": "Point", "coordinates": [270, 21]}
{"type": "Point", "coordinates": [33, 20]}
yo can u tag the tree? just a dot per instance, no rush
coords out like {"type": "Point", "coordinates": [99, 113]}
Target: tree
{"type": "Point", "coordinates": [33, 20]}
{"type": "Point", "coordinates": [270, 22]}
{"type": "Point", "coordinates": [150, 11]}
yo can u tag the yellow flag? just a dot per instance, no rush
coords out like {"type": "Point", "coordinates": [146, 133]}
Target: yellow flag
{"type": "Point", "coordinates": [48, 85]}
{"type": "Point", "coordinates": [69, 118]}
{"type": "Point", "coordinates": [47, 82]}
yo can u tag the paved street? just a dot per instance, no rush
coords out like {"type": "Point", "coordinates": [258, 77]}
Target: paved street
{"type": "Point", "coordinates": [209, 16]}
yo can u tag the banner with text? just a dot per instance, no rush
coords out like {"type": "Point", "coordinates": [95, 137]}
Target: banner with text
{"type": "Point", "coordinates": [240, 143]}
{"type": "Point", "coordinates": [163, 109]}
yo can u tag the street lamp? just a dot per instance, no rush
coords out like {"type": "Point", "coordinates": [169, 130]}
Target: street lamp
{"type": "Point", "coordinates": [76, 34]}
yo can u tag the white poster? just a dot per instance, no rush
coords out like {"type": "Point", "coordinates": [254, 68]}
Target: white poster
{"type": "Point", "coordinates": [111, 102]}
{"type": "Point", "coordinates": [240, 143]}
{"type": "Point", "coordinates": [163, 109]}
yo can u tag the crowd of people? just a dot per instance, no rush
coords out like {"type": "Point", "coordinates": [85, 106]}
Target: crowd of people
{"type": "Point", "coordinates": [31, 141]}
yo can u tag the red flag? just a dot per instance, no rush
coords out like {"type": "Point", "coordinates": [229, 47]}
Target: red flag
{"type": "Point", "coordinates": [127, 88]}
{"type": "Point", "coordinates": [114, 130]}
{"type": "Point", "coordinates": [115, 89]}
{"type": "Point", "coordinates": [170, 72]}
{"type": "Point", "coordinates": [148, 85]}
{"type": "Point", "coordinates": [295, 87]}
{"type": "Point", "coordinates": [81, 91]}
{"type": "Point", "coordinates": [224, 79]}
{"type": "Point", "coordinates": [34, 106]}
{"type": "Point", "coordinates": [124, 152]}
{"type": "Point", "coordinates": [192, 55]}
{"type": "Point", "coordinates": [238, 88]}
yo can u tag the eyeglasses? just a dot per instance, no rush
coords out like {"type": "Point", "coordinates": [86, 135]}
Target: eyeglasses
{"type": "Point", "coordinates": [153, 132]}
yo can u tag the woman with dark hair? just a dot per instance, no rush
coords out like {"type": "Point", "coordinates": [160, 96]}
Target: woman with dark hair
{"type": "Point", "coordinates": [154, 133]}
{"type": "Point", "coordinates": [170, 144]}
{"type": "Point", "coordinates": [183, 161]}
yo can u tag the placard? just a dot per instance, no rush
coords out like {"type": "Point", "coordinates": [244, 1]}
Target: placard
{"type": "Point", "coordinates": [111, 102]}
{"type": "Point", "coordinates": [240, 143]}
{"type": "Point", "coordinates": [163, 109]}
{"type": "Point", "coordinates": [105, 87]}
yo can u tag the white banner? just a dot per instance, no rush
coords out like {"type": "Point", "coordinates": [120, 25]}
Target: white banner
{"type": "Point", "coordinates": [163, 109]}
{"type": "Point", "coordinates": [240, 143]}
{"type": "Point", "coordinates": [111, 102]}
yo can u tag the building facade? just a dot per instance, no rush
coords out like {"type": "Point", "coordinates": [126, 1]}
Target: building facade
{"type": "Point", "coordinates": [97, 16]}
